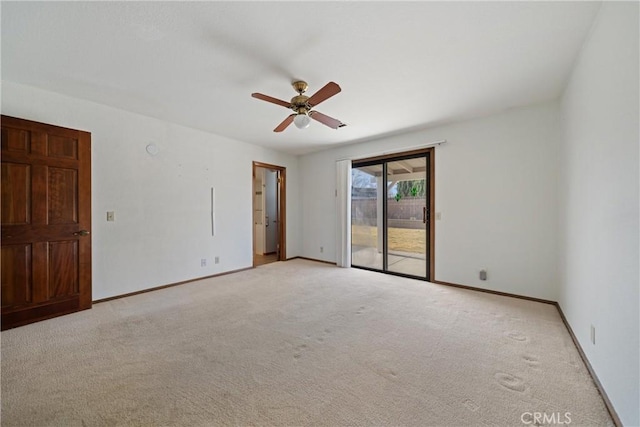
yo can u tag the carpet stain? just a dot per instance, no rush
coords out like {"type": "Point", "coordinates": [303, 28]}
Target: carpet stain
{"type": "Point", "coordinates": [382, 363]}
{"type": "Point", "coordinates": [385, 372]}
{"type": "Point", "coordinates": [510, 382]}
{"type": "Point", "coordinates": [517, 336]}
{"type": "Point", "coordinates": [530, 360]}
{"type": "Point", "coordinates": [470, 405]}
{"type": "Point", "coordinates": [299, 349]}
{"type": "Point", "coordinates": [336, 317]}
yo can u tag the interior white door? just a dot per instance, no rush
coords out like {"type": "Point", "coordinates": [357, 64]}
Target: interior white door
{"type": "Point", "coordinates": [271, 210]}
{"type": "Point", "coordinates": [258, 212]}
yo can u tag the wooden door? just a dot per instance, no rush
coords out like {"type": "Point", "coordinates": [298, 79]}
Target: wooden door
{"type": "Point", "coordinates": [46, 221]}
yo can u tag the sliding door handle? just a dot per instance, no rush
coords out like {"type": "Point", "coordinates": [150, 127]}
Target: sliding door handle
{"type": "Point", "coordinates": [424, 215]}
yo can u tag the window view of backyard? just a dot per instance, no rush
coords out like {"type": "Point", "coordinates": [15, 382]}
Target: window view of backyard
{"type": "Point", "coordinates": [399, 239]}
{"type": "Point", "coordinates": [405, 222]}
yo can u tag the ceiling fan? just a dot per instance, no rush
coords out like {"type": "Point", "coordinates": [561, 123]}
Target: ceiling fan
{"type": "Point", "coordinates": [303, 104]}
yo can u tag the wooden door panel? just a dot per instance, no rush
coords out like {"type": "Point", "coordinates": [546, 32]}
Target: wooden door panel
{"type": "Point", "coordinates": [16, 193]}
{"type": "Point", "coordinates": [35, 313]}
{"type": "Point", "coordinates": [62, 147]}
{"type": "Point", "coordinates": [16, 275]}
{"type": "Point", "coordinates": [46, 202]}
{"type": "Point", "coordinates": [16, 140]}
{"type": "Point", "coordinates": [62, 194]}
{"type": "Point", "coordinates": [63, 268]}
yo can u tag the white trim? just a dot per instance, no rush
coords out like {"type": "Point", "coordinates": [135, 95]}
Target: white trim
{"type": "Point", "coordinates": [343, 213]}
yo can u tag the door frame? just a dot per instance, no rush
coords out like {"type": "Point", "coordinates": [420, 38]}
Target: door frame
{"type": "Point", "coordinates": [282, 208]}
{"type": "Point", "coordinates": [431, 217]}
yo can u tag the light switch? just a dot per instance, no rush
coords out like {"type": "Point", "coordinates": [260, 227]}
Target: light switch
{"type": "Point", "coordinates": [111, 216]}
{"type": "Point", "coordinates": [438, 216]}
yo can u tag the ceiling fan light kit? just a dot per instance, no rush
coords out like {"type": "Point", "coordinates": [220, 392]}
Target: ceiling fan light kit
{"type": "Point", "coordinates": [302, 121]}
{"type": "Point", "coordinates": [302, 105]}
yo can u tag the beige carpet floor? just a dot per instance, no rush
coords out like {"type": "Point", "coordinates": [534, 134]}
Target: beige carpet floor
{"type": "Point", "coordinates": [299, 343]}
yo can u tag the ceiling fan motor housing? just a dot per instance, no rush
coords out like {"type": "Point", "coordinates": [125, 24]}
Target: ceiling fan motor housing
{"type": "Point", "coordinates": [299, 104]}
{"type": "Point", "coordinates": [300, 86]}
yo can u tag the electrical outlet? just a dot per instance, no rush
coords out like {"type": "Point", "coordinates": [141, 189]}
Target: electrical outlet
{"type": "Point", "coordinates": [483, 274]}
{"type": "Point", "coordinates": [216, 260]}
{"type": "Point", "coordinates": [321, 249]}
{"type": "Point", "coordinates": [593, 335]}
{"type": "Point", "coordinates": [203, 262]}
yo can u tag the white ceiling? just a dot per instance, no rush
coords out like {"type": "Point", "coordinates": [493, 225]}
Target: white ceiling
{"type": "Point", "coordinates": [401, 65]}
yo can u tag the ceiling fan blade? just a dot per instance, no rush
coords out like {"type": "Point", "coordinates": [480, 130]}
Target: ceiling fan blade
{"type": "Point", "coordinates": [285, 123]}
{"type": "Point", "coordinates": [271, 99]}
{"type": "Point", "coordinates": [323, 94]}
{"type": "Point", "coordinates": [326, 120]}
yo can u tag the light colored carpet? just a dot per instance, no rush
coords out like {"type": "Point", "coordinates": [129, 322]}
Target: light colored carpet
{"type": "Point", "coordinates": [299, 343]}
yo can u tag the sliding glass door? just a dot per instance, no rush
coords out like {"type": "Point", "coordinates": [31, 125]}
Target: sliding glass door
{"type": "Point", "coordinates": [406, 216]}
{"type": "Point", "coordinates": [366, 216]}
{"type": "Point", "coordinates": [390, 214]}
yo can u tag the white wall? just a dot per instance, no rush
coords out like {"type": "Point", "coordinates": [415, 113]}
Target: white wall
{"type": "Point", "coordinates": [495, 189]}
{"type": "Point", "coordinates": [161, 203]}
{"type": "Point", "coordinates": [599, 213]}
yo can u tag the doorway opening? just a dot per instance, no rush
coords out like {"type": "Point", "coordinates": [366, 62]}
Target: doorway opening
{"type": "Point", "coordinates": [269, 213]}
{"type": "Point", "coordinates": [392, 199]}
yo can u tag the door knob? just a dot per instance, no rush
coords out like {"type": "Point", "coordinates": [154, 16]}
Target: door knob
{"type": "Point", "coordinates": [82, 233]}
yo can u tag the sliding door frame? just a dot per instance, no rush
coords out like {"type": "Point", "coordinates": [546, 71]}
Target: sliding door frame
{"type": "Point", "coordinates": [431, 201]}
